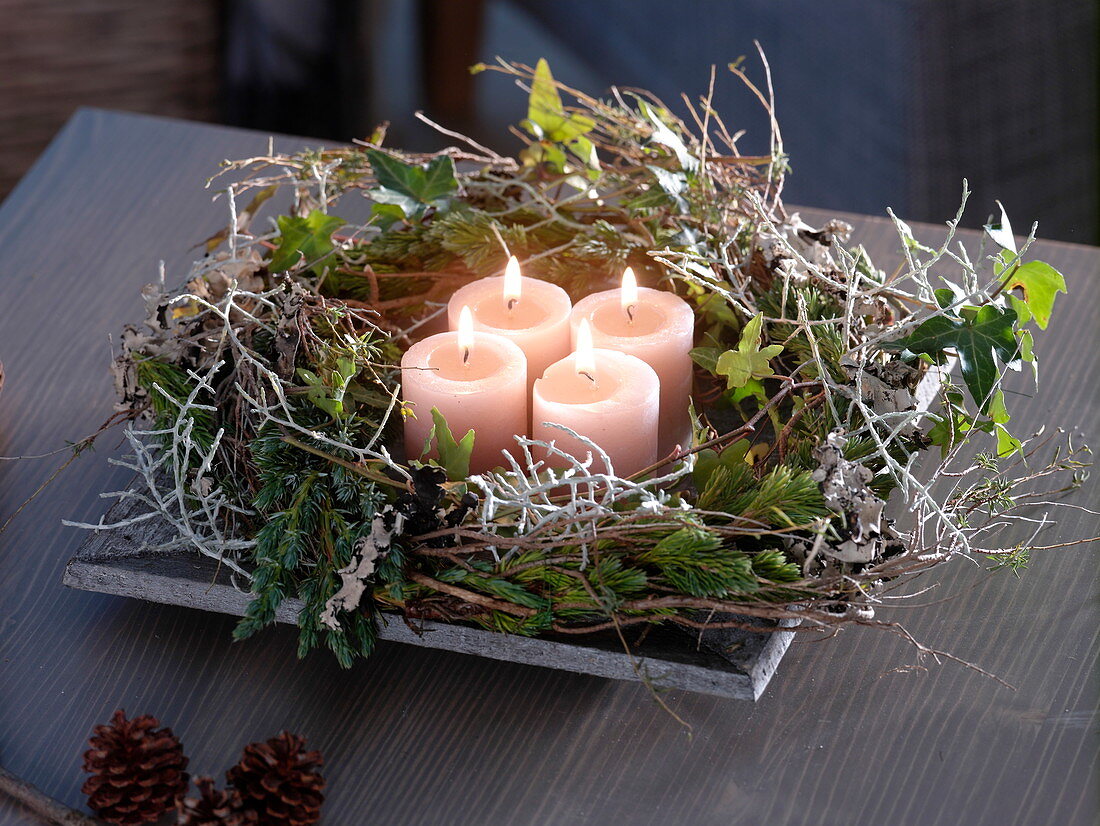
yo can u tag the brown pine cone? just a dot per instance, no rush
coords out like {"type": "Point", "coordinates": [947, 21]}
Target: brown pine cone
{"type": "Point", "coordinates": [213, 807]}
{"type": "Point", "coordinates": [137, 770]}
{"type": "Point", "coordinates": [278, 780]}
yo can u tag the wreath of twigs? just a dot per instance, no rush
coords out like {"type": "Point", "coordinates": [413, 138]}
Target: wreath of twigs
{"type": "Point", "coordinates": [267, 389]}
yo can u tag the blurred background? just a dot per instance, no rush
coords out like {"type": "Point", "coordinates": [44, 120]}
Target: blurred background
{"type": "Point", "coordinates": [881, 102]}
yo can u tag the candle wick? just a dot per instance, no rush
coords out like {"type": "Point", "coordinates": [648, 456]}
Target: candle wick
{"type": "Point", "coordinates": [588, 376]}
{"type": "Point", "coordinates": [630, 313]}
{"type": "Point", "coordinates": [465, 355]}
{"type": "Point", "coordinates": [512, 303]}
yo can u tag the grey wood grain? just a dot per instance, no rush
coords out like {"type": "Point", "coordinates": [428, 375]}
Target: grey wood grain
{"type": "Point", "coordinates": [846, 735]}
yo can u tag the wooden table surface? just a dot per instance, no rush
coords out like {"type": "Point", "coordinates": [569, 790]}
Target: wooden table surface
{"type": "Point", "coordinates": [414, 736]}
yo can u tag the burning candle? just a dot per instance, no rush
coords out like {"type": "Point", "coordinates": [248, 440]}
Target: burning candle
{"type": "Point", "coordinates": [656, 326]}
{"type": "Point", "coordinates": [604, 395]}
{"type": "Point", "coordinates": [532, 313]}
{"type": "Point", "coordinates": [477, 380]}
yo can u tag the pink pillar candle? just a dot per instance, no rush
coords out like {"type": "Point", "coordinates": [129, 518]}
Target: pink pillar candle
{"type": "Point", "coordinates": [532, 313]}
{"type": "Point", "coordinates": [478, 381]}
{"type": "Point", "coordinates": [658, 327]}
{"type": "Point", "coordinates": [603, 395]}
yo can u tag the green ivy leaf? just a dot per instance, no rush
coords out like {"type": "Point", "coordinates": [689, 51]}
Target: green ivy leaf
{"type": "Point", "coordinates": [389, 203]}
{"type": "Point", "coordinates": [386, 215]}
{"type": "Point", "coordinates": [749, 360]}
{"type": "Point", "coordinates": [454, 457]}
{"type": "Point", "coordinates": [946, 296]}
{"type": "Point", "coordinates": [544, 106]}
{"type": "Point", "coordinates": [1027, 353]}
{"type": "Point", "coordinates": [1007, 444]}
{"type": "Point", "coordinates": [1040, 284]}
{"type": "Point", "coordinates": [708, 461]}
{"type": "Point", "coordinates": [977, 337]}
{"type": "Point", "coordinates": [572, 129]}
{"type": "Point", "coordinates": [751, 388]}
{"type": "Point", "coordinates": [306, 239]}
{"type": "Point", "coordinates": [672, 184]}
{"type": "Point", "coordinates": [548, 121]}
{"type": "Point", "coordinates": [412, 187]}
{"type": "Point", "coordinates": [948, 432]}
{"type": "Point", "coordinates": [546, 113]}
{"type": "Point", "coordinates": [1023, 312]}
{"type": "Point", "coordinates": [328, 393]}
{"type": "Point", "coordinates": [952, 425]}
{"type": "Point", "coordinates": [545, 152]}
{"type": "Point", "coordinates": [707, 358]}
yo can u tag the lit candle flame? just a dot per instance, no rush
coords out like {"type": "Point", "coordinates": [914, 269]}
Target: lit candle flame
{"type": "Point", "coordinates": [465, 333]}
{"type": "Point", "coordinates": [513, 284]}
{"type": "Point", "coordinates": [629, 293]}
{"type": "Point", "coordinates": [584, 361]}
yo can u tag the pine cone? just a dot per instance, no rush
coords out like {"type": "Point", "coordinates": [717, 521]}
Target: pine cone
{"type": "Point", "coordinates": [137, 770]}
{"type": "Point", "coordinates": [213, 807]}
{"type": "Point", "coordinates": [279, 781]}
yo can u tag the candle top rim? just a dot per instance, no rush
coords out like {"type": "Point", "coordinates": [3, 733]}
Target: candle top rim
{"type": "Point", "coordinates": [508, 361]}
{"type": "Point", "coordinates": [678, 316]}
{"type": "Point", "coordinates": [549, 301]}
{"type": "Point", "coordinates": [625, 381]}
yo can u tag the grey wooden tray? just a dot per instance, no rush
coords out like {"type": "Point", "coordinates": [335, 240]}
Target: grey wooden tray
{"type": "Point", "coordinates": [731, 663]}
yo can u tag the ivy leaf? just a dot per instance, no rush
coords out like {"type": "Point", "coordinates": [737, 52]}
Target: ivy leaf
{"type": "Point", "coordinates": [946, 296]}
{"type": "Point", "coordinates": [751, 388]}
{"type": "Point", "coordinates": [672, 184]}
{"type": "Point", "coordinates": [1027, 353]}
{"type": "Point", "coordinates": [977, 337]}
{"type": "Point", "coordinates": [949, 431]}
{"type": "Point", "coordinates": [1001, 231]}
{"type": "Point", "coordinates": [389, 203]}
{"type": "Point", "coordinates": [1040, 284]}
{"type": "Point", "coordinates": [546, 116]}
{"type": "Point", "coordinates": [386, 215]}
{"type": "Point", "coordinates": [545, 152]}
{"type": "Point", "coordinates": [544, 107]}
{"type": "Point", "coordinates": [328, 393]}
{"type": "Point", "coordinates": [572, 129]}
{"type": "Point", "coordinates": [1023, 312]}
{"type": "Point", "coordinates": [708, 461]}
{"type": "Point", "coordinates": [749, 360]}
{"type": "Point", "coordinates": [664, 135]}
{"type": "Point", "coordinates": [952, 425]}
{"type": "Point", "coordinates": [454, 456]}
{"type": "Point", "coordinates": [319, 394]}
{"type": "Point", "coordinates": [707, 358]}
{"type": "Point", "coordinates": [306, 239]}
{"type": "Point", "coordinates": [1007, 444]}
{"type": "Point", "coordinates": [412, 186]}
{"type": "Point", "coordinates": [548, 120]}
